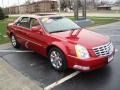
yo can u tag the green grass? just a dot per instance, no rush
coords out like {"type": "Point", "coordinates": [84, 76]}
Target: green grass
{"type": "Point", "coordinates": [3, 25]}
{"type": "Point", "coordinates": [96, 20]}
{"type": "Point", "coordinates": [104, 20]}
{"type": "Point", "coordinates": [101, 20]}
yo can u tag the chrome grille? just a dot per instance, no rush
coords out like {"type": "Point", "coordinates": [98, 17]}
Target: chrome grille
{"type": "Point", "coordinates": [104, 50]}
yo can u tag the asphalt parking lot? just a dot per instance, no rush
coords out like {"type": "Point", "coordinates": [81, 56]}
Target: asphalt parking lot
{"type": "Point", "coordinates": [38, 69]}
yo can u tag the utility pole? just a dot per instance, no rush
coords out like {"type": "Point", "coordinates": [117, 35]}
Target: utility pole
{"type": "Point", "coordinates": [3, 6]}
{"type": "Point", "coordinates": [84, 9]}
{"type": "Point", "coordinates": [76, 14]}
{"type": "Point", "coordinates": [3, 3]}
{"type": "Point", "coordinates": [76, 9]}
{"type": "Point", "coordinates": [119, 5]}
{"type": "Point", "coordinates": [93, 4]}
{"type": "Point", "coordinates": [18, 6]}
{"type": "Point", "coordinates": [59, 6]}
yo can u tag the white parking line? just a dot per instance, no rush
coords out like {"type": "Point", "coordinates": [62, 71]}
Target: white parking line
{"type": "Point", "coordinates": [116, 50]}
{"type": "Point", "coordinates": [18, 51]}
{"type": "Point", "coordinates": [114, 35]}
{"type": "Point", "coordinates": [51, 86]}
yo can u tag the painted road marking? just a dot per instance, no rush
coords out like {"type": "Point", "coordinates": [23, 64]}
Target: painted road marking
{"type": "Point", "coordinates": [17, 51]}
{"type": "Point", "coordinates": [114, 35]}
{"type": "Point", "coordinates": [111, 35]}
{"type": "Point", "coordinates": [51, 86]}
{"type": "Point", "coordinates": [116, 50]}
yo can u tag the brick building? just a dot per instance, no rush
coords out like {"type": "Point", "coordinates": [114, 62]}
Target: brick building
{"type": "Point", "coordinates": [35, 7]}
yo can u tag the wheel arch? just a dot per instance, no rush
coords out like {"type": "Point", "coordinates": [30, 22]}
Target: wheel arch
{"type": "Point", "coordinates": [11, 33]}
{"type": "Point", "coordinates": [59, 46]}
{"type": "Point", "coordinates": [63, 50]}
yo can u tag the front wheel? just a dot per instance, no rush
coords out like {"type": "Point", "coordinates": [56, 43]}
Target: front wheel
{"type": "Point", "coordinates": [57, 59]}
{"type": "Point", "coordinates": [14, 42]}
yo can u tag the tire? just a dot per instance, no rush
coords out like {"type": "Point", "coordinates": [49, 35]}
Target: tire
{"type": "Point", "coordinates": [57, 59]}
{"type": "Point", "coordinates": [14, 41]}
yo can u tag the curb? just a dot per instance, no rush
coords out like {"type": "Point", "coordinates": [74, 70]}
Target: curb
{"type": "Point", "coordinates": [10, 79]}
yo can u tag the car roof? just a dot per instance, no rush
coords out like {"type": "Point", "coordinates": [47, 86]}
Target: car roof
{"type": "Point", "coordinates": [40, 17]}
{"type": "Point", "coordinates": [30, 15]}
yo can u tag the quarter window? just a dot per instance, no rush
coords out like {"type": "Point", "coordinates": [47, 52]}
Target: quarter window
{"type": "Point", "coordinates": [24, 22]}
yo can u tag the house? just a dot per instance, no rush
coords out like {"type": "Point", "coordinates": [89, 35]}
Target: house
{"type": "Point", "coordinates": [109, 7]}
{"type": "Point", "coordinates": [34, 7]}
{"type": "Point", "coordinates": [12, 10]}
{"type": "Point", "coordinates": [104, 7]}
{"type": "Point", "coordinates": [115, 8]}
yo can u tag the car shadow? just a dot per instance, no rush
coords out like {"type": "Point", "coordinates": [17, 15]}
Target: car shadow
{"type": "Point", "coordinates": [93, 80]}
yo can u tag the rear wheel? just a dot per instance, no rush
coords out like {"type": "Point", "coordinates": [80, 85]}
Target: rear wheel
{"type": "Point", "coordinates": [14, 41]}
{"type": "Point", "coordinates": [57, 59]}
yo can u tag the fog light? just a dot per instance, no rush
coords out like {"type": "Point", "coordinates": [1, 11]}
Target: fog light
{"type": "Point", "coordinates": [81, 67]}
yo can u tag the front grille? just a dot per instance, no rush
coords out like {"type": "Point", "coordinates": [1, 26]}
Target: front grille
{"type": "Point", "coordinates": [104, 50]}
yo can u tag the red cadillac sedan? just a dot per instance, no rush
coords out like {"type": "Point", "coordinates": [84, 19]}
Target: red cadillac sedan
{"type": "Point", "coordinates": [61, 40]}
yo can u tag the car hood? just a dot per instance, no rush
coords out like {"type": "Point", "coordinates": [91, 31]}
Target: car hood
{"type": "Point", "coordinates": [84, 37]}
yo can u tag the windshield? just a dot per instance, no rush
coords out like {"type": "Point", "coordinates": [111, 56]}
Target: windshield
{"type": "Point", "coordinates": [58, 24]}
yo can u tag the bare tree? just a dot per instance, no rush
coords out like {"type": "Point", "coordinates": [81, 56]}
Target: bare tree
{"type": "Point", "coordinates": [117, 2]}
{"type": "Point", "coordinates": [28, 2]}
{"type": "Point", "coordinates": [69, 4]}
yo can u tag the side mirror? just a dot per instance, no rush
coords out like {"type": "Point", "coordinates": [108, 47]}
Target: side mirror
{"type": "Point", "coordinates": [37, 29]}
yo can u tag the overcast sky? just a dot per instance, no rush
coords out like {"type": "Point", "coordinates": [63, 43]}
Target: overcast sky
{"type": "Point", "coordinates": [6, 3]}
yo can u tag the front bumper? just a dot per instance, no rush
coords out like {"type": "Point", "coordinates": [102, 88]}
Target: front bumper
{"type": "Point", "coordinates": [89, 64]}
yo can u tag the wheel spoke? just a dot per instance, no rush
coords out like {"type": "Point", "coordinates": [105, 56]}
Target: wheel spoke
{"type": "Point", "coordinates": [52, 56]}
{"type": "Point", "coordinates": [60, 63]}
{"type": "Point", "coordinates": [13, 41]}
{"type": "Point", "coordinates": [57, 65]}
{"type": "Point", "coordinates": [56, 60]}
{"type": "Point", "coordinates": [54, 53]}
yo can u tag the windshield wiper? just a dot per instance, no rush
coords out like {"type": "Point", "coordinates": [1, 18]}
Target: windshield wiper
{"type": "Point", "coordinates": [76, 29]}
{"type": "Point", "coordinates": [59, 31]}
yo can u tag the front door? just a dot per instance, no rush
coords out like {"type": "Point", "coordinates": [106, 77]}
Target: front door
{"type": "Point", "coordinates": [36, 40]}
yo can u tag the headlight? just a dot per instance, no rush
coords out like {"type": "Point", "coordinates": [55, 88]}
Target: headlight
{"type": "Point", "coordinates": [81, 52]}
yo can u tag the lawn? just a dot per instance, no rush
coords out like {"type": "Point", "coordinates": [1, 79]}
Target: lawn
{"type": "Point", "coordinates": [96, 20]}
{"type": "Point", "coordinates": [101, 20]}
{"type": "Point", "coordinates": [104, 20]}
{"type": "Point", "coordinates": [3, 25]}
